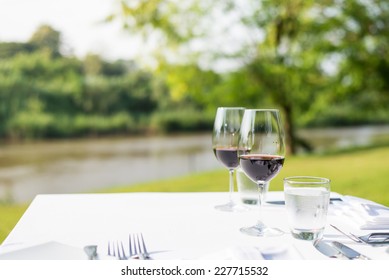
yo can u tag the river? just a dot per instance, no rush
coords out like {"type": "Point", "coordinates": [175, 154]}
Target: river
{"type": "Point", "coordinates": [73, 166]}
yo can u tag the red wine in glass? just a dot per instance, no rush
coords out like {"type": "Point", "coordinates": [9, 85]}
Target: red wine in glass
{"type": "Point", "coordinates": [261, 167]}
{"type": "Point", "coordinates": [225, 139]}
{"type": "Point", "coordinates": [227, 156]}
{"type": "Point", "coordinates": [262, 142]}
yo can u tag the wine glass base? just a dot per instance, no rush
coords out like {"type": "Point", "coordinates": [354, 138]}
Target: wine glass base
{"type": "Point", "coordinates": [262, 231]}
{"type": "Point", "coordinates": [231, 207]}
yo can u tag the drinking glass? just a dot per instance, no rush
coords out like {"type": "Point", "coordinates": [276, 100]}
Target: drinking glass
{"type": "Point", "coordinates": [306, 200]}
{"type": "Point", "coordinates": [261, 156]}
{"type": "Point", "coordinates": [225, 138]}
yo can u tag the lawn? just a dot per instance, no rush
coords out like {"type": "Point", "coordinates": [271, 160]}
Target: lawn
{"type": "Point", "coordinates": [363, 173]}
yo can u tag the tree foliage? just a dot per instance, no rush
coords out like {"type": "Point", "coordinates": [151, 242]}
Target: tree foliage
{"type": "Point", "coordinates": [302, 56]}
{"type": "Point", "coordinates": [323, 63]}
{"type": "Point", "coordinates": [46, 38]}
{"type": "Point", "coordinates": [45, 94]}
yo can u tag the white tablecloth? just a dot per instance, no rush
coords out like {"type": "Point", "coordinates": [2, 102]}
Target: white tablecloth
{"type": "Point", "coordinates": [174, 225]}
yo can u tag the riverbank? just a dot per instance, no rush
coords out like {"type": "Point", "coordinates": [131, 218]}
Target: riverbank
{"type": "Point", "coordinates": [69, 166]}
{"type": "Point", "coordinates": [358, 172]}
{"type": "Point", "coordinates": [92, 164]}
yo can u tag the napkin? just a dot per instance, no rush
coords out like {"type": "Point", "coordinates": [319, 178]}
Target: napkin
{"type": "Point", "coordinates": [234, 253]}
{"type": "Point", "coordinates": [368, 215]}
{"type": "Point", "coordinates": [281, 252]}
{"type": "Point", "coordinates": [45, 251]}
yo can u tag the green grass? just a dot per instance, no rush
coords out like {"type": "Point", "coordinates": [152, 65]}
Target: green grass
{"type": "Point", "coordinates": [363, 173]}
{"type": "Point", "coordinates": [9, 215]}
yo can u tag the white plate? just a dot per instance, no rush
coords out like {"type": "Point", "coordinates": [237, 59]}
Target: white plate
{"type": "Point", "coordinates": [46, 251]}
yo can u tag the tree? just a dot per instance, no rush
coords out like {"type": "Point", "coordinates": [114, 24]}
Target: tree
{"type": "Point", "coordinates": [44, 94]}
{"type": "Point", "coordinates": [296, 51]}
{"type": "Point", "coordinates": [47, 38]}
{"type": "Point", "coordinates": [92, 64]}
{"type": "Point", "coordinates": [272, 53]}
{"type": "Point", "coordinates": [9, 49]}
{"type": "Point", "coordinates": [362, 49]}
{"type": "Point", "coordinates": [44, 38]}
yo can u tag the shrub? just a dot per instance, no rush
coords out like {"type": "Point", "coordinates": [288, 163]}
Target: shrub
{"type": "Point", "coordinates": [181, 120]}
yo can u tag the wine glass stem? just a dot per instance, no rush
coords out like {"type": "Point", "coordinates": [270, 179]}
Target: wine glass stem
{"type": "Point", "coordinates": [261, 187]}
{"type": "Point", "coordinates": [231, 171]}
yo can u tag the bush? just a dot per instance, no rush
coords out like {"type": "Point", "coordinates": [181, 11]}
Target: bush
{"type": "Point", "coordinates": [29, 125]}
{"type": "Point", "coordinates": [42, 125]}
{"type": "Point", "coordinates": [181, 120]}
{"type": "Point", "coordinates": [99, 125]}
{"type": "Point", "coordinates": [339, 116]}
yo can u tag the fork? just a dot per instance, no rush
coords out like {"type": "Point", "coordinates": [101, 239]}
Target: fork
{"type": "Point", "coordinates": [140, 250]}
{"type": "Point", "coordinates": [352, 237]}
{"type": "Point", "coordinates": [366, 238]}
{"type": "Point", "coordinates": [116, 249]}
{"type": "Point", "coordinates": [374, 238]}
{"type": "Point", "coordinates": [136, 248]}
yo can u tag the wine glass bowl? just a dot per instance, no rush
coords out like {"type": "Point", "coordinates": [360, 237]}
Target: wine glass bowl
{"type": "Point", "coordinates": [261, 155]}
{"type": "Point", "coordinates": [225, 139]}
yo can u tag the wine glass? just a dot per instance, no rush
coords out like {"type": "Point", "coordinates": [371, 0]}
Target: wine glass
{"type": "Point", "coordinates": [225, 138]}
{"type": "Point", "coordinates": [261, 156]}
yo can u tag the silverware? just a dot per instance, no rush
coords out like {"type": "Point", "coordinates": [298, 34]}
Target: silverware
{"type": "Point", "coordinates": [375, 238]}
{"type": "Point", "coordinates": [282, 202]}
{"type": "Point", "coordinates": [349, 252]}
{"type": "Point", "coordinates": [116, 249]}
{"type": "Point", "coordinates": [136, 248]}
{"type": "Point", "coordinates": [140, 250]}
{"type": "Point", "coordinates": [327, 249]}
{"type": "Point", "coordinates": [91, 252]}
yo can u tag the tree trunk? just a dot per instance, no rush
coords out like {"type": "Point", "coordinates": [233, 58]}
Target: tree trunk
{"type": "Point", "coordinates": [289, 129]}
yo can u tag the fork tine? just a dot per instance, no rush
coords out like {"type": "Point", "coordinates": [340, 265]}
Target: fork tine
{"type": "Point", "coordinates": [109, 249]}
{"type": "Point", "coordinates": [132, 245]}
{"type": "Point", "coordinates": [143, 244]}
{"type": "Point", "coordinates": [138, 244]}
{"type": "Point", "coordinates": [143, 253]}
{"type": "Point", "coordinates": [136, 247]}
{"type": "Point", "coordinates": [130, 250]}
{"type": "Point", "coordinates": [123, 253]}
{"type": "Point", "coordinates": [117, 250]}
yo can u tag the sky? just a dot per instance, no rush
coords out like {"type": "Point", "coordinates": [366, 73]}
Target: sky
{"type": "Point", "coordinates": [80, 24]}
{"type": "Point", "coordinates": [78, 21]}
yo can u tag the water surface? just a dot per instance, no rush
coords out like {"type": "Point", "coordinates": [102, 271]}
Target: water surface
{"type": "Point", "coordinates": [86, 165]}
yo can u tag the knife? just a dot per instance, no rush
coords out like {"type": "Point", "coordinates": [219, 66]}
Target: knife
{"type": "Point", "coordinates": [348, 252]}
{"type": "Point", "coordinates": [282, 202]}
{"type": "Point", "coordinates": [327, 249]}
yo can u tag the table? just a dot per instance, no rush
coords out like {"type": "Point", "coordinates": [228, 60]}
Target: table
{"type": "Point", "coordinates": [174, 225]}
